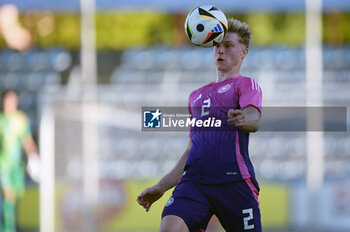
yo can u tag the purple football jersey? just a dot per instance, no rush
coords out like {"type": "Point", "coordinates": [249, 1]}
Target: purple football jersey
{"type": "Point", "coordinates": [220, 155]}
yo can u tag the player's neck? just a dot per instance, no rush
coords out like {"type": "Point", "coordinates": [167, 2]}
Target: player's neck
{"type": "Point", "coordinates": [221, 76]}
{"type": "Point", "coordinates": [9, 111]}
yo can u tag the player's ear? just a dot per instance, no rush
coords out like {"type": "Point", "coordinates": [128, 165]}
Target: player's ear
{"type": "Point", "coordinates": [244, 52]}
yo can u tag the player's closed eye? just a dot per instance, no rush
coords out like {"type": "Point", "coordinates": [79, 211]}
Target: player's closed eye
{"type": "Point", "coordinates": [225, 45]}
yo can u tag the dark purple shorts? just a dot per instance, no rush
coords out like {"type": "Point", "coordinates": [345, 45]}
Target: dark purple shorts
{"type": "Point", "coordinates": [234, 203]}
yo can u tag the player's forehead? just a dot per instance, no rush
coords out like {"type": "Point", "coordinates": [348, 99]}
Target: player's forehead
{"type": "Point", "coordinates": [231, 37]}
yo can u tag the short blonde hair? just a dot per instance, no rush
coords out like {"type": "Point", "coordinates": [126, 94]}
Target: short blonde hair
{"type": "Point", "coordinates": [242, 29]}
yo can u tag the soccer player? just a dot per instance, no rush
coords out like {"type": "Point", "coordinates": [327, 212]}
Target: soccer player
{"type": "Point", "coordinates": [14, 134]}
{"type": "Point", "coordinates": [215, 175]}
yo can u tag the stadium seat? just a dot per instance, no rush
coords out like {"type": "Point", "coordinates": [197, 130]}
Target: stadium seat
{"type": "Point", "coordinates": [11, 81]}
{"type": "Point", "coordinates": [13, 61]}
{"type": "Point", "coordinates": [59, 59]}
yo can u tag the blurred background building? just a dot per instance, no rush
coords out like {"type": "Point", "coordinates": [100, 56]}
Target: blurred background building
{"type": "Point", "coordinates": [83, 70]}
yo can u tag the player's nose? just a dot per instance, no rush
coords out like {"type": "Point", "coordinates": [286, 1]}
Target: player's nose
{"type": "Point", "coordinates": [218, 49]}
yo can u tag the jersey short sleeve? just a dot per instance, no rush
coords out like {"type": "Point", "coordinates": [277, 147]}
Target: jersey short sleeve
{"type": "Point", "coordinates": [249, 93]}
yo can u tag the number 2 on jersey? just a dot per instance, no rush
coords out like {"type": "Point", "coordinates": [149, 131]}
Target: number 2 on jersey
{"type": "Point", "coordinates": [204, 106]}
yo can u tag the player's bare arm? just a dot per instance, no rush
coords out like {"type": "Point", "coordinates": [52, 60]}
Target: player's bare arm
{"type": "Point", "coordinates": [247, 119]}
{"type": "Point", "coordinates": [34, 163]}
{"type": "Point", "coordinates": [29, 146]}
{"type": "Point", "coordinates": [152, 194]}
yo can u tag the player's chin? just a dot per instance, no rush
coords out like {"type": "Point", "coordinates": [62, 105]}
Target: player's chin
{"type": "Point", "coordinates": [221, 67]}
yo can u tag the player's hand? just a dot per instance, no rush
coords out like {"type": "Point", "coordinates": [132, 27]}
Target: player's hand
{"type": "Point", "coordinates": [33, 167]}
{"type": "Point", "coordinates": [149, 195]}
{"type": "Point", "coordinates": [236, 118]}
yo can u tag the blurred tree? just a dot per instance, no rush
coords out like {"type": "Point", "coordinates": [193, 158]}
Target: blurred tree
{"type": "Point", "coordinates": [270, 29]}
{"type": "Point", "coordinates": [67, 30]}
{"type": "Point", "coordinates": [123, 30]}
{"type": "Point", "coordinates": [119, 30]}
{"type": "Point", "coordinates": [333, 28]}
{"type": "Point", "coordinates": [345, 27]}
{"type": "Point", "coordinates": [179, 31]}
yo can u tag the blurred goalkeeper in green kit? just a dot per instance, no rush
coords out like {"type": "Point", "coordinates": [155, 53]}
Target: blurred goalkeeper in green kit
{"type": "Point", "coordinates": [15, 133]}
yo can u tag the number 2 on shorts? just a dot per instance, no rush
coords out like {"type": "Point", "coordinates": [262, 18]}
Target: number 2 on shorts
{"type": "Point", "coordinates": [246, 219]}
